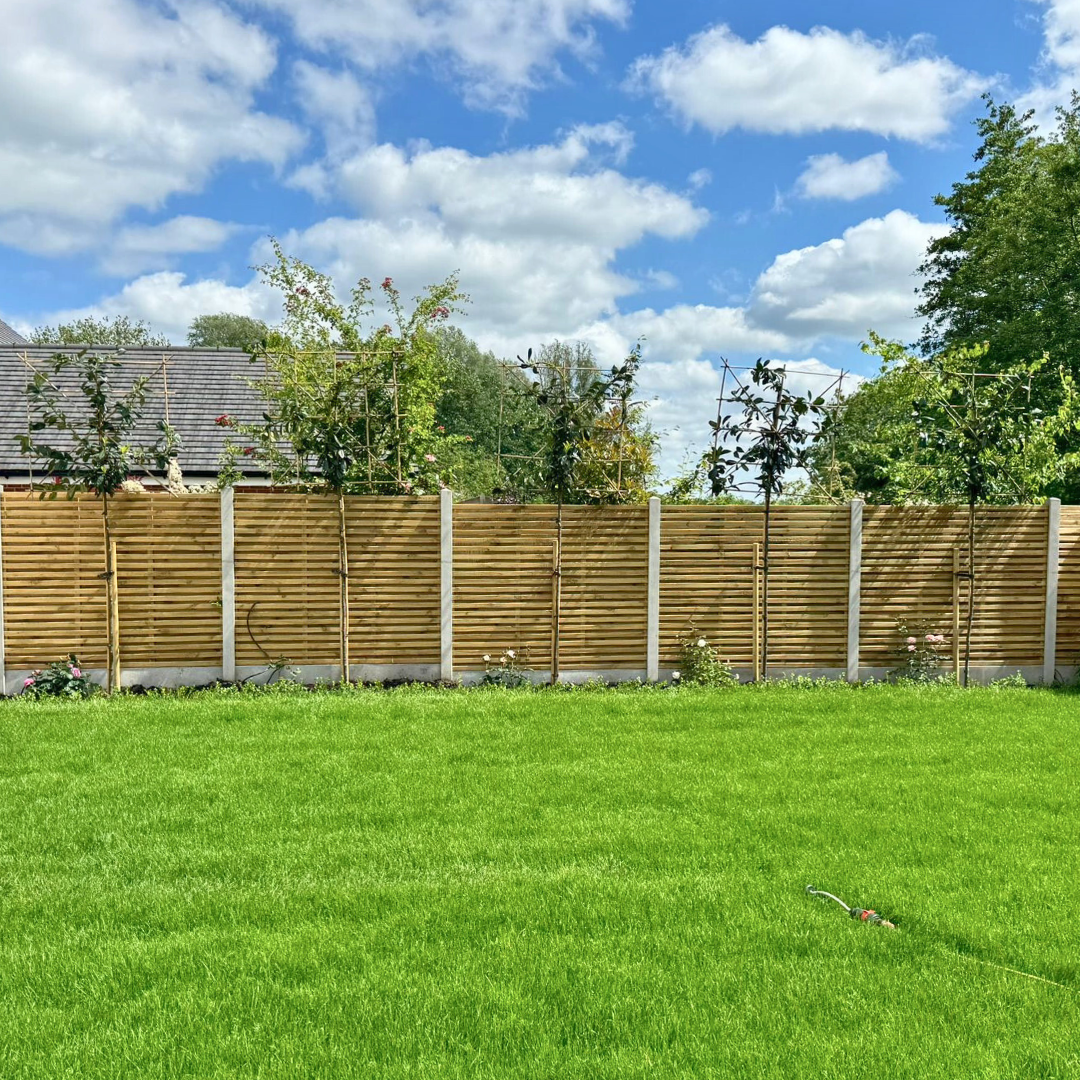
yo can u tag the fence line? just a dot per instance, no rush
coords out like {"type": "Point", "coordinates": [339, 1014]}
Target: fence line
{"type": "Point", "coordinates": [228, 586]}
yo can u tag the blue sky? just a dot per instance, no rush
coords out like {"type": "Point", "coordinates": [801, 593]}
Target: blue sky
{"type": "Point", "coordinates": [715, 179]}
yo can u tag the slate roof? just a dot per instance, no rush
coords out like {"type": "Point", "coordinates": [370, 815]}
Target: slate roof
{"type": "Point", "coordinates": [202, 384]}
{"type": "Point", "coordinates": [9, 336]}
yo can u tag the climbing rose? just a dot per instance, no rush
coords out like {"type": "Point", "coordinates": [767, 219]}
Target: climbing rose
{"type": "Point", "coordinates": [76, 672]}
{"type": "Point", "coordinates": [701, 643]}
{"type": "Point", "coordinates": [911, 641]}
{"type": "Point", "coordinates": [388, 283]}
{"type": "Point", "coordinates": [911, 648]}
{"type": "Point", "coordinates": [224, 420]}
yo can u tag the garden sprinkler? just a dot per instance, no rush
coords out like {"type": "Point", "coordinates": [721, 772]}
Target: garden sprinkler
{"type": "Point", "coordinates": [862, 914]}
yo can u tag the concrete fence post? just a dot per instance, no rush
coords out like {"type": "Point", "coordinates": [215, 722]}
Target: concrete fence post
{"type": "Point", "coordinates": [446, 577]}
{"type": "Point", "coordinates": [1053, 564]}
{"type": "Point", "coordinates": [3, 653]}
{"type": "Point", "coordinates": [652, 633]}
{"type": "Point", "coordinates": [228, 587]}
{"type": "Point", "coordinates": [854, 589]}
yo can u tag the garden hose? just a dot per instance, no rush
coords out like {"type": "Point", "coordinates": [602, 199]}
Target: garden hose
{"type": "Point", "coordinates": [865, 915]}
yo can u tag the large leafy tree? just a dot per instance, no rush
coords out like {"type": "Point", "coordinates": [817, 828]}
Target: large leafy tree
{"type": "Point", "coordinates": [226, 331]}
{"type": "Point", "coordinates": [1008, 272]}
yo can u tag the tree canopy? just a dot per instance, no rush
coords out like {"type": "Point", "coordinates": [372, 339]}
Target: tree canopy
{"type": "Point", "coordinates": [109, 330]}
{"type": "Point", "coordinates": [226, 331]}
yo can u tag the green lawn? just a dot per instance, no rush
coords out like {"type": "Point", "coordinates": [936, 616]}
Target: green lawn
{"type": "Point", "coordinates": [487, 884]}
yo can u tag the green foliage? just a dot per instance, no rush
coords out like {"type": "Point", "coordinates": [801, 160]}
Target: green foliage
{"type": "Point", "coordinates": [592, 425]}
{"type": "Point", "coordinates": [96, 450]}
{"type": "Point", "coordinates": [700, 664]}
{"type": "Point", "coordinates": [919, 652]}
{"type": "Point", "coordinates": [349, 406]}
{"type": "Point", "coordinates": [62, 678]}
{"type": "Point", "coordinates": [115, 330]}
{"type": "Point", "coordinates": [489, 406]}
{"type": "Point", "coordinates": [767, 439]}
{"type": "Point", "coordinates": [954, 436]}
{"type": "Point", "coordinates": [509, 671]}
{"type": "Point", "coordinates": [226, 331]}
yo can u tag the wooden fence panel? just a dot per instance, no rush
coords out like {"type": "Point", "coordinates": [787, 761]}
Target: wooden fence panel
{"type": "Point", "coordinates": [808, 586]}
{"type": "Point", "coordinates": [54, 595]}
{"type": "Point", "coordinates": [706, 578]}
{"type": "Point", "coordinates": [908, 576]}
{"type": "Point", "coordinates": [605, 588]}
{"type": "Point", "coordinates": [287, 584]}
{"type": "Point", "coordinates": [168, 554]}
{"type": "Point", "coordinates": [502, 583]}
{"type": "Point", "coordinates": [1068, 612]}
{"type": "Point", "coordinates": [394, 580]}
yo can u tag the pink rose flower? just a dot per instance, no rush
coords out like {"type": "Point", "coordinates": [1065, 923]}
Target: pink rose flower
{"type": "Point", "coordinates": [77, 672]}
{"type": "Point", "coordinates": [429, 457]}
{"type": "Point", "coordinates": [28, 682]}
{"type": "Point", "coordinates": [911, 648]}
{"type": "Point", "coordinates": [911, 640]}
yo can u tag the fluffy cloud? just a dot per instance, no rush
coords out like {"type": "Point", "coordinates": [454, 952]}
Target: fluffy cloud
{"type": "Point", "coordinates": [168, 302]}
{"type": "Point", "coordinates": [497, 49]}
{"type": "Point", "coordinates": [142, 247]}
{"type": "Point", "coordinates": [787, 82]}
{"type": "Point", "coordinates": [534, 232]}
{"type": "Point", "coordinates": [121, 104]}
{"type": "Point", "coordinates": [829, 176]}
{"type": "Point", "coordinates": [1060, 60]}
{"type": "Point", "coordinates": [843, 287]}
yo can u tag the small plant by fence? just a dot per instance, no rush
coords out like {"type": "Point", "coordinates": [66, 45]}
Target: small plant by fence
{"type": "Point", "coordinates": [227, 586]}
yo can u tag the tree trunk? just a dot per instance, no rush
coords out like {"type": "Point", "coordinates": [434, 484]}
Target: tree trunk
{"type": "Point", "coordinates": [111, 629]}
{"type": "Point", "coordinates": [765, 589]}
{"type": "Point", "coordinates": [343, 572]}
{"type": "Point", "coordinates": [556, 598]}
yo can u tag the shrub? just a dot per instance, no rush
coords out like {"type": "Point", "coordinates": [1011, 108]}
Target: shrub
{"type": "Point", "coordinates": [62, 678]}
{"type": "Point", "coordinates": [920, 659]}
{"type": "Point", "coordinates": [699, 664]}
{"type": "Point", "coordinates": [509, 671]}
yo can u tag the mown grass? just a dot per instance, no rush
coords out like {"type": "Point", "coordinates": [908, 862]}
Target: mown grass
{"type": "Point", "coordinates": [540, 885]}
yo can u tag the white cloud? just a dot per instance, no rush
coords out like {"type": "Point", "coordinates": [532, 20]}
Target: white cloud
{"type": "Point", "coordinates": [1060, 61]}
{"type": "Point", "coordinates": [121, 104]}
{"type": "Point", "coordinates": [787, 82]}
{"type": "Point", "coordinates": [699, 178]}
{"type": "Point", "coordinates": [168, 303]}
{"type": "Point", "coordinates": [497, 49]}
{"type": "Point", "coordinates": [141, 247]}
{"type": "Point", "coordinates": [843, 287]}
{"type": "Point", "coordinates": [829, 176]}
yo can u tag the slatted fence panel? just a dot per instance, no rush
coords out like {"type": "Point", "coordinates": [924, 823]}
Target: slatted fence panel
{"type": "Point", "coordinates": [502, 583]}
{"type": "Point", "coordinates": [706, 578]}
{"type": "Point", "coordinates": [1068, 612]}
{"type": "Point", "coordinates": [287, 584]}
{"type": "Point", "coordinates": [54, 595]}
{"type": "Point", "coordinates": [808, 586]}
{"type": "Point", "coordinates": [168, 555]}
{"type": "Point", "coordinates": [394, 580]}
{"type": "Point", "coordinates": [908, 576]}
{"type": "Point", "coordinates": [605, 588]}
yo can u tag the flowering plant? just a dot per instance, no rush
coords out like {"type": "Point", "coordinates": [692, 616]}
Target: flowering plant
{"type": "Point", "coordinates": [62, 678]}
{"type": "Point", "coordinates": [508, 671]}
{"type": "Point", "coordinates": [699, 664]}
{"type": "Point", "coordinates": [919, 653]}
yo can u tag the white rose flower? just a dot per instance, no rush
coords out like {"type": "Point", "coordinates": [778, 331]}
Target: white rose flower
{"type": "Point", "coordinates": [701, 643]}
{"type": "Point", "coordinates": [676, 675]}
{"type": "Point", "coordinates": [487, 658]}
{"type": "Point", "coordinates": [510, 653]}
